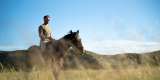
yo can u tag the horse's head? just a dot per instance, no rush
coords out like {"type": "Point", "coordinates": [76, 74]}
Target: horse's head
{"type": "Point", "coordinates": [74, 39]}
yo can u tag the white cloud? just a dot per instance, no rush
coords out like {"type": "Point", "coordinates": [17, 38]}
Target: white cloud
{"type": "Point", "coordinates": [120, 46]}
{"type": "Point", "coordinates": [12, 47]}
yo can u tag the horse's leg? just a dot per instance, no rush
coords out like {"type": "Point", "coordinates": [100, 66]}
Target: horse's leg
{"type": "Point", "coordinates": [61, 63]}
{"type": "Point", "coordinates": [56, 75]}
{"type": "Point", "coordinates": [55, 69]}
{"type": "Point", "coordinates": [55, 72]}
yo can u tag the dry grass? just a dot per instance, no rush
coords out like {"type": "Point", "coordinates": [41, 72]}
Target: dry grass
{"type": "Point", "coordinates": [130, 73]}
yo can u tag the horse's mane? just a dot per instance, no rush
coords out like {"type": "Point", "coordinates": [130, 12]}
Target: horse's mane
{"type": "Point", "coordinates": [69, 36]}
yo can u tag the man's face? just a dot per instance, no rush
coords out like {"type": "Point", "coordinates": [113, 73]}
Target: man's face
{"type": "Point", "coordinates": [47, 19]}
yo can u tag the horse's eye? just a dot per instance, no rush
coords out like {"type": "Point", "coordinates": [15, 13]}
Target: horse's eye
{"type": "Point", "coordinates": [71, 47]}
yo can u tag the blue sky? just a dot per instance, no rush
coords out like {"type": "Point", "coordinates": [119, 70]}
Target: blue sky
{"type": "Point", "coordinates": [106, 26]}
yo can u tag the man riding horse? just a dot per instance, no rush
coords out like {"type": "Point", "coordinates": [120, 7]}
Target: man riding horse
{"type": "Point", "coordinates": [45, 32]}
{"type": "Point", "coordinates": [54, 51]}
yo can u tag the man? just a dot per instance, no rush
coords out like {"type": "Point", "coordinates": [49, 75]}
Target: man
{"type": "Point", "coordinates": [45, 32]}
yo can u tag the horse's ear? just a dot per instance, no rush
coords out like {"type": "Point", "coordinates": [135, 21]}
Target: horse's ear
{"type": "Point", "coordinates": [70, 32]}
{"type": "Point", "coordinates": [77, 34]}
{"type": "Point", "coordinates": [77, 31]}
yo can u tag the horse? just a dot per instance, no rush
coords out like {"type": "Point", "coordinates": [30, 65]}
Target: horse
{"type": "Point", "coordinates": [56, 50]}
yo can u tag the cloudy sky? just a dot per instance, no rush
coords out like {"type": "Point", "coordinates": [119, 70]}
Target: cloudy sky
{"type": "Point", "coordinates": [106, 26]}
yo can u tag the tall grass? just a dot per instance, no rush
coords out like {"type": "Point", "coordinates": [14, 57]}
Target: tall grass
{"type": "Point", "coordinates": [130, 73]}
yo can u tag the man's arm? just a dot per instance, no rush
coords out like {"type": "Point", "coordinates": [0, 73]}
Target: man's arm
{"type": "Point", "coordinates": [41, 33]}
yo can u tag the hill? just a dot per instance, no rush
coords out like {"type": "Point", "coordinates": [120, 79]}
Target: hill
{"type": "Point", "coordinates": [88, 60]}
{"type": "Point", "coordinates": [128, 59]}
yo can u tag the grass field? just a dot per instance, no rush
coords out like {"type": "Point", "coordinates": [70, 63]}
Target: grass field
{"type": "Point", "coordinates": [130, 73]}
{"type": "Point", "coordinates": [118, 67]}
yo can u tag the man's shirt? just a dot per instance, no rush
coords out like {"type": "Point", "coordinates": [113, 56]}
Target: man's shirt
{"type": "Point", "coordinates": [46, 32]}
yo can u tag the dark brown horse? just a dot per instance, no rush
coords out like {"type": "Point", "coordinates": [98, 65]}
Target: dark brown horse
{"type": "Point", "coordinates": [54, 54]}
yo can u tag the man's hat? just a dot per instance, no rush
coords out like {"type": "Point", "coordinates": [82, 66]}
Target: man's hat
{"type": "Point", "coordinates": [46, 16]}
